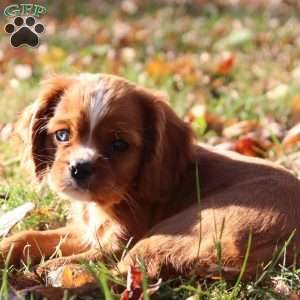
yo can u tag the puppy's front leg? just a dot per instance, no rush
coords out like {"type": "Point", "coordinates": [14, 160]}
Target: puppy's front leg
{"type": "Point", "coordinates": [99, 252]}
{"type": "Point", "coordinates": [172, 247]}
{"type": "Point", "coordinates": [152, 251]}
{"type": "Point", "coordinates": [37, 244]}
{"type": "Point", "coordinates": [52, 264]}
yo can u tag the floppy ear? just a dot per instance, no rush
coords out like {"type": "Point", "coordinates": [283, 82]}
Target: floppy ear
{"type": "Point", "coordinates": [168, 147]}
{"type": "Point", "coordinates": [31, 126]}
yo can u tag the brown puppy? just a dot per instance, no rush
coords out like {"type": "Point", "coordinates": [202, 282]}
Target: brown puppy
{"type": "Point", "coordinates": [129, 166]}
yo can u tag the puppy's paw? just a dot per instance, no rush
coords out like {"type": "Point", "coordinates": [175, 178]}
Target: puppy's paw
{"type": "Point", "coordinates": [141, 256]}
{"type": "Point", "coordinates": [13, 250]}
{"type": "Point", "coordinates": [150, 267]}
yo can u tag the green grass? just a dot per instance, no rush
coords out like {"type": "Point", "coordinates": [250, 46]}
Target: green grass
{"type": "Point", "coordinates": [176, 49]}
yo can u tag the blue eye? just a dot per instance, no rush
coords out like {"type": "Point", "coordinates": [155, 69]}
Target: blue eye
{"type": "Point", "coordinates": [62, 135]}
{"type": "Point", "coordinates": [119, 145]}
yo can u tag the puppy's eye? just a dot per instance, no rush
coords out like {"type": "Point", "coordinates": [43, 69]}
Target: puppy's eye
{"type": "Point", "coordinates": [119, 145]}
{"type": "Point", "coordinates": [62, 135]}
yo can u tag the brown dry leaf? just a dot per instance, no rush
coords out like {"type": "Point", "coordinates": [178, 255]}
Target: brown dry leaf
{"type": "Point", "coordinates": [24, 280]}
{"type": "Point", "coordinates": [134, 290]}
{"type": "Point", "coordinates": [292, 137]}
{"type": "Point", "coordinates": [296, 103]}
{"type": "Point", "coordinates": [69, 276]}
{"type": "Point", "coordinates": [239, 129]}
{"type": "Point", "coordinates": [185, 67]}
{"type": "Point", "coordinates": [27, 283]}
{"type": "Point", "coordinates": [250, 147]}
{"type": "Point", "coordinates": [102, 37]}
{"type": "Point", "coordinates": [19, 54]}
{"type": "Point", "coordinates": [226, 65]}
{"type": "Point", "coordinates": [295, 111]}
{"type": "Point", "coordinates": [52, 293]}
{"type": "Point", "coordinates": [158, 68]}
{"type": "Point", "coordinates": [214, 122]}
{"type": "Point", "coordinates": [134, 285]}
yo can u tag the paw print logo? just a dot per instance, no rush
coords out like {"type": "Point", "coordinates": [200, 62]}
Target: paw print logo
{"type": "Point", "coordinates": [24, 31]}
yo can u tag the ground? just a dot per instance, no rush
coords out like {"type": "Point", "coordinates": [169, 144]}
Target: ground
{"type": "Point", "coordinates": [230, 68]}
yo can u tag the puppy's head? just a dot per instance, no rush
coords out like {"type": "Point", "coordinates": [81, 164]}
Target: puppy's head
{"type": "Point", "coordinates": [100, 138]}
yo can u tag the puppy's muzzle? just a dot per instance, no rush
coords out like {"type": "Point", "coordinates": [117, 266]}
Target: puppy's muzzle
{"type": "Point", "coordinates": [81, 170]}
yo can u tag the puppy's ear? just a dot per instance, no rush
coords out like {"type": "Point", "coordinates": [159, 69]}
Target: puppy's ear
{"type": "Point", "coordinates": [168, 147]}
{"type": "Point", "coordinates": [32, 125]}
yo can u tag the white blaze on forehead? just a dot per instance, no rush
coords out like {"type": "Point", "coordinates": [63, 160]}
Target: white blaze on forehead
{"type": "Point", "coordinates": [84, 153]}
{"type": "Point", "coordinates": [95, 106]}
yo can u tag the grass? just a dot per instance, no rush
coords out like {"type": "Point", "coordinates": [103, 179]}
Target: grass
{"type": "Point", "coordinates": [177, 49]}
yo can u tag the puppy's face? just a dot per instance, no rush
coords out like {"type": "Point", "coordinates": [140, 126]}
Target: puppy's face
{"type": "Point", "coordinates": [96, 130]}
{"type": "Point", "coordinates": [94, 136]}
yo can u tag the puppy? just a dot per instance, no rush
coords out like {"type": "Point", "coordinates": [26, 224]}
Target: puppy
{"type": "Point", "coordinates": [133, 172]}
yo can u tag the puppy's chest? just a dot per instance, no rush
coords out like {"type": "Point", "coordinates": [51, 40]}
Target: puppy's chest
{"type": "Point", "coordinates": [96, 227]}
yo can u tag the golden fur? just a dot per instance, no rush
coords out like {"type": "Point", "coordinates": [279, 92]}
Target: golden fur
{"type": "Point", "coordinates": [148, 193]}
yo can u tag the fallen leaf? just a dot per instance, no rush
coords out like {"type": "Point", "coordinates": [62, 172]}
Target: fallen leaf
{"type": "Point", "coordinates": [226, 65]}
{"type": "Point", "coordinates": [235, 38]}
{"type": "Point", "coordinates": [278, 92]}
{"type": "Point", "coordinates": [214, 122]}
{"type": "Point", "coordinates": [295, 110]}
{"type": "Point", "coordinates": [25, 280]}
{"type": "Point", "coordinates": [25, 285]}
{"type": "Point", "coordinates": [239, 129]}
{"type": "Point", "coordinates": [280, 286]}
{"type": "Point", "coordinates": [184, 66]}
{"type": "Point", "coordinates": [53, 293]}
{"type": "Point", "coordinates": [250, 147]}
{"type": "Point", "coordinates": [292, 137]}
{"type": "Point", "coordinates": [134, 289]}
{"type": "Point", "coordinates": [9, 219]}
{"type": "Point", "coordinates": [158, 68]}
{"type": "Point", "coordinates": [69, 276]}
{"type": "Point", "coordinates": [296, 103]}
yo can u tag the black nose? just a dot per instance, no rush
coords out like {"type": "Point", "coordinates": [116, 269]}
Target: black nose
{"type": "Point", "coordinates": [81, 170]}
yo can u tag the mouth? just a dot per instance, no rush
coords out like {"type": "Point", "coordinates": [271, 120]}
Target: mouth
{"type": "Point", "coordinates": [72, 185]}
{"type": "Point", "coordinates": [68, 187]}
{"type": "Point", "coordinates": [73, 191]}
